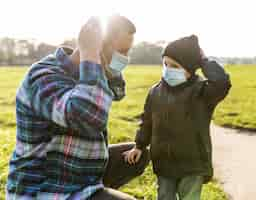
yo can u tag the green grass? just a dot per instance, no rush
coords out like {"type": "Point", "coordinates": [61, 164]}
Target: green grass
{"type": "Point", "coordinates": [10, 79]}
{"type": "Point", "coordinates": [238, 110]}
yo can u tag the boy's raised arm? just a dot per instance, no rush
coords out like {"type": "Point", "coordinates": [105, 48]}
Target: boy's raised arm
{"type": "Point", "coordinates": [218, 83]}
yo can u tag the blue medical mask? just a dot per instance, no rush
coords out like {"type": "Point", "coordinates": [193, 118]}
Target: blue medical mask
{"type": "Point", "coordinates": [118, 63]}
{"type": "Point", "coordinates": [174, 76]}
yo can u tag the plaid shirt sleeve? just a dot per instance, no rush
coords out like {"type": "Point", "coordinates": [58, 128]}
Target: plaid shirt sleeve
{"type": "Point", "coordinates": [80, 105]}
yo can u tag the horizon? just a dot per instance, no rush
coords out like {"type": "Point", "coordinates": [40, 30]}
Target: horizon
{"type": "Point", "coordinates": [225, 29]}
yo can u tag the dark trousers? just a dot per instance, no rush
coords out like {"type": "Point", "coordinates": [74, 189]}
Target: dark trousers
{"type": "Point", "coordinates": [119, 172]}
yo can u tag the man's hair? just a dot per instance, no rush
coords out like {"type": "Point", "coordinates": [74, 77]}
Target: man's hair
{"type": "Point", "coordinates": [118, 23]}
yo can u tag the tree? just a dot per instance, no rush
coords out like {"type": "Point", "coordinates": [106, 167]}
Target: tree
{"type": "Point", "coordinates": [44, 49]}
{"type": "Point", "coordinates": [8, 50]}
{"type": "Point", "coordinates": [146, 53]}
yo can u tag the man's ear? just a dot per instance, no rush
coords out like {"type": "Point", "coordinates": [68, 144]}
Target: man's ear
{"type": "Point", "coordinates": [107, 52]}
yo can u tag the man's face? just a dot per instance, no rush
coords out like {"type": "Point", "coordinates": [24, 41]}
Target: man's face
{"type": "Point", "coordinates": [123, 42]}
{"type": "Point", "coordinates": [169, 62]}
{"type": "Point", "coordinates": [120, 42]}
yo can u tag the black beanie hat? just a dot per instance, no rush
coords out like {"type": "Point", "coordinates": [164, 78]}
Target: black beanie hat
{"type": "Point", "coordinates": [185, 51]}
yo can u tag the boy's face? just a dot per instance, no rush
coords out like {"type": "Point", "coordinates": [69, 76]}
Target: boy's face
{"type": "Point", "coordinates": [169, 62]}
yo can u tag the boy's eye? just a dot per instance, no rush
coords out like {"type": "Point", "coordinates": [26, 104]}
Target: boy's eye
{"type": "Point", "coordinates": [175, 66]}
{"type": "Point", "coordinates": [171, 65]}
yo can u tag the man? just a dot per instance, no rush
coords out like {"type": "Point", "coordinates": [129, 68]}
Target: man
{"type": "Point", "coordinates": [62, 112]}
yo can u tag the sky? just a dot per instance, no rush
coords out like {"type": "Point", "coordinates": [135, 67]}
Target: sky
{"type": "Point", "coordinates": [224, 27]}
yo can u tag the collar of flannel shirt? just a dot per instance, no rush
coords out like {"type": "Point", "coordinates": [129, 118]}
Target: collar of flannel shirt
{"type": "Point", "coordinates": [62, 55]}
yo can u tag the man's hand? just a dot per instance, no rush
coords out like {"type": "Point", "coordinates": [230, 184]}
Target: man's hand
{"type": "Point", "coordinates": [90, 41]}
{"type": "Point", "coordinates": [132, 156]}
{"type": "Point", "coordinates": [203, 56]}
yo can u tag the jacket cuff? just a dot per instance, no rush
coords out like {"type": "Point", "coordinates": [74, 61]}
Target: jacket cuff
{"type": "Point", "coordinates": [139, 146]}
{"type": "Point", "coordinates": [90, 73]}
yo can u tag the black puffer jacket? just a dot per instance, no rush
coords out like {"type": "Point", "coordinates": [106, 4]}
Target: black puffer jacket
{"type": "Point", "coordinates": [176, 123]}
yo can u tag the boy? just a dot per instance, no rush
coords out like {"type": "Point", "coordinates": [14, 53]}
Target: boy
{"type": "Point", "coordinates": [176, 120]}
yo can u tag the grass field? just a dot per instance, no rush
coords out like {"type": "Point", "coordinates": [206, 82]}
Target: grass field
{"type": "Point", "coordinates": [238, 110]}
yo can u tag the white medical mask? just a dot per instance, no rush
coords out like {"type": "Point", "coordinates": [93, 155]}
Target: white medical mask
{"type": "Point", "coordinates": [118, 62]}
{"type": "Point", "coordinates": [174, 76]}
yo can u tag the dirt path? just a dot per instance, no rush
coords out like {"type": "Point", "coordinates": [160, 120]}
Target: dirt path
{"type": "Point", "coordinates": [234, 158]}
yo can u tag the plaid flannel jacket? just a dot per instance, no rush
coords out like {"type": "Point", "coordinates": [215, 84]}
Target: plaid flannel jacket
{"type": "Point", "coordinates": [61, 146]}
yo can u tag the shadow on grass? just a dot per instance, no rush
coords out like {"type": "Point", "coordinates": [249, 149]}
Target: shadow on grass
{"type": "Point", "coordinates": [6, 103]}
{"type": "Point", "coordinates": [241, 129]}
{"type": "Point", "coordinates": [136, 118]}
{"type": "Point", "coordinates": [4, 124]}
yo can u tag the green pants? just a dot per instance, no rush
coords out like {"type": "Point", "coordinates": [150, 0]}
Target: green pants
{"type": "Point", "coordinates": [188, 188]}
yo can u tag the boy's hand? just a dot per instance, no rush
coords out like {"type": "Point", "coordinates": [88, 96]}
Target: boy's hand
{"type": "Point", "coordinates": [90, 41]}
{"type": "Point", "coordinates": [132, 156]}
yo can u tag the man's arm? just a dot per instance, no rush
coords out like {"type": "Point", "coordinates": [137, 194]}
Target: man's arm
{"type": "Point", "coordinates": [218, 83]}
{"type": "Point", "coordinates": [78, 105]}
{"type": "Point", "coordinates": [82, 105]}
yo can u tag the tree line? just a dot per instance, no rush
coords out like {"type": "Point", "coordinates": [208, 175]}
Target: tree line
{"type": "Point", "coordinates": [25, 52]}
